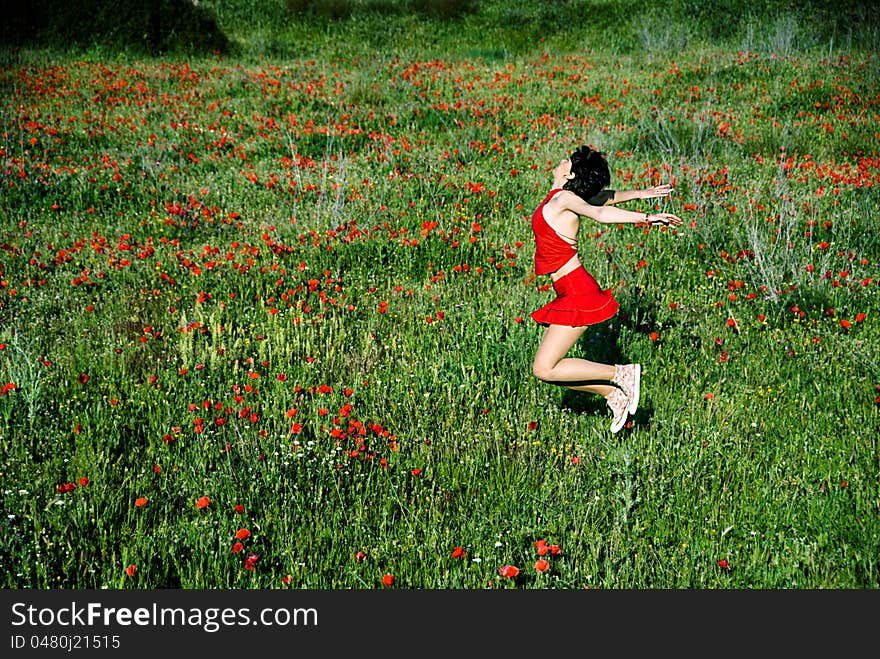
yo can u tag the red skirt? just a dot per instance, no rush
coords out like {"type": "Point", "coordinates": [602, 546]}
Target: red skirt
{"type": "Point", "coordinates": [579, 301]}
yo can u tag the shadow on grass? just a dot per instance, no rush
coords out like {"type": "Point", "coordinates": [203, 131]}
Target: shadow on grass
{"type": "Point", "coordinates": [151, 27]}
{"type": "Point", "coordinates": [601, 343]}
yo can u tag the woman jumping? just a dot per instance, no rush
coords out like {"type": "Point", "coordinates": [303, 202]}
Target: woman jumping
{"type": "Point", "coordinates": [579, 191]}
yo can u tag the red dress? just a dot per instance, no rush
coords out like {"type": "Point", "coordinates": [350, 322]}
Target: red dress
{"type": "Point", "coordinates": [579, 299]}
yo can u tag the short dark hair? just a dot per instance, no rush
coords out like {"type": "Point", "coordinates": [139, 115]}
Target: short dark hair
{"type": "Point", "coordinates": [590, 171]}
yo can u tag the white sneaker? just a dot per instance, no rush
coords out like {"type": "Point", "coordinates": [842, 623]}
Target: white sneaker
{"type": "Point", "coordinates": [618, 402]}
{"type": "Point", "coordinates": [628, 378]}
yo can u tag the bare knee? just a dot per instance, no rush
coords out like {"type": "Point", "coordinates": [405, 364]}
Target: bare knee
{"type": "Point", "coordinates": [542, 371]}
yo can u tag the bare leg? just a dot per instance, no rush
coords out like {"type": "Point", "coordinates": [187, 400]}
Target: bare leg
{"type": "Point", "coordinates": [552, 366]}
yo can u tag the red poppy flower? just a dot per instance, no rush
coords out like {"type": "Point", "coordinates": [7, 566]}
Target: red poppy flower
{"type": "Point", "coordinates": [541, 565]}
{"type": "Point", "coordinates": [83, 378]}
{"type": "Point", "coordinates": [723, 564]}
{"type": "Point", "coordinates": [83, 481]}
{"type": "Point", "coordinates": [388, 580]}
{"type": "Point", "coordinates": [458, 552]}
{"type": "Point", "coordinates": [203, 502]}
{"type": "Point", "coordinates": [508, 571]}
{"type": "Point", "coordinates": [250, 562]}
{"type": "Point", "coordinates": [237, 547]}
{"type": "Point", "coordinates": [360, 556]}
{"type": "Point", "coordinates": [140, 502]}
{"type": "Point", "coordinates": [241, 534]}
{"type": "Point", "coordinates": [131, 570]}
{"type": "Point", "coordinates": [238, 508]}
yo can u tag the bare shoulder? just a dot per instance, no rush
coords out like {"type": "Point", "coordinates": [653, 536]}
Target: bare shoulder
{"type": "Point", "coordinates": [559, 202]}
{"type": "Point", "coordinates": [561, 214]}
{"type": "Point", "coordinates": [566, 200]}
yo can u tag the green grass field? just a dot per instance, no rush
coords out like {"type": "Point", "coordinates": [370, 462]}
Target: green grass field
{"type": "Point", "coordinates": [264, 307]}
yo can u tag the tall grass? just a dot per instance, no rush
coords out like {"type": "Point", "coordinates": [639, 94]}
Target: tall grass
{"type": "Point", "coordinates": [485, 28]}
{"type": "Point", "coordinates": [264, 313]}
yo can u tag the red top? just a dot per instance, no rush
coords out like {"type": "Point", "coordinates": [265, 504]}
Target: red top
{"type": "Point", "coordinates": [551, 251]}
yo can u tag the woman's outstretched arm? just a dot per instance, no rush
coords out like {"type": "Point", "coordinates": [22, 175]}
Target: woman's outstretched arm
{"type": "Point", "coordinates": [608, 214]}
{"type": "Point", "coordinates": [612, 197]}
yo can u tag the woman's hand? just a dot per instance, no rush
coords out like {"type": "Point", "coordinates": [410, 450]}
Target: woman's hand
{"type": "Point", "coordinates": [663, 219]}
{"type": "Point", "coordinates": [657, 191]}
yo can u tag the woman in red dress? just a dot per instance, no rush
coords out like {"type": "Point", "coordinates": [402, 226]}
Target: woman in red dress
{"type": "Point", "coordinates": [578, 191]}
